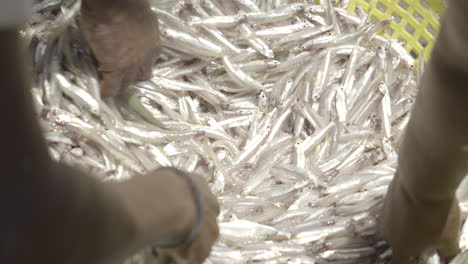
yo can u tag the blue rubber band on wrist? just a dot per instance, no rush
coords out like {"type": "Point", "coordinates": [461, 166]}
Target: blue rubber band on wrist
{"type": "Point", "coordinates": [199, 210]}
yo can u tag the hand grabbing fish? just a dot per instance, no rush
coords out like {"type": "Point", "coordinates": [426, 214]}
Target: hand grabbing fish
{"type": "Point", "coordinates": [200, 247]}
{"type": "Point", "coordinates": [124, 38]}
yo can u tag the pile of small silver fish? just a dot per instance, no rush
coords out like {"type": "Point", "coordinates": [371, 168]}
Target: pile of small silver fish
{"type": "Point", "coordinates": [292, 110]}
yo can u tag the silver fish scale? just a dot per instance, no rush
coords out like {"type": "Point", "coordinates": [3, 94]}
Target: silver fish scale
{"type": "Point", "coordinates": [293, 111]}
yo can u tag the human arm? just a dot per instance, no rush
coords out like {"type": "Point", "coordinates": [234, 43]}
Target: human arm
{"type": "Point", "coordinates": [420, 209]}
{"type": "Point", "coordinates": [44, 203]}
{"type": "Point", "coordinates": [56, 214]}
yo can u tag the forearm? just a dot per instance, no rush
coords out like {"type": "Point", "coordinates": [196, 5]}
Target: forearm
{"type": "Point", "coordinates": [420, 210]}
{"type": "Point", "coordinates": [46, 208]}
{"type": "Point", "coordinates": [23, 150]}
{"type": "Point", "coordinates": [55, 214]}
{"type": "Point", "coordinates": [75, 220]}
{"type": "Point", "coordinates": [432, 158]}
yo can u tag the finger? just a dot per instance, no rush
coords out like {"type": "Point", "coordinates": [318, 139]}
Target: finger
{"type": "Point", "coordinates": [448, 244]}
{"type": "Point", "coordinates": [110, 83]}
{"type": "Point", "coordinates": [209, 236]}
{"type": "Point", "coordinates": [200, 247]}
{"type": "Point", "coordinates": [216, 206]}
{"type": "Point", "coordinates": [215, 230]}
{"type": "Point", "coordinates": [213, 236]}
{"type": "Point", "coordinates": [210, 200]}
{"type": "Point", "coordinates": [211, 204]}
{"type": "Point", "coordinates": [398, 258]}
{"type": "Point", "coordinates": [145, 69]}
{"type": "Point", "coordinates": [129, 76]}
{"type": "Point", "coordinates": [164, 256]}
{"type": "Point", "coordinates": [199, 250]}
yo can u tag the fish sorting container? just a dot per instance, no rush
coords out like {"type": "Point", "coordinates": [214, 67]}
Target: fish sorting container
{"type": "Point", "coordinates": [334, 214]}
{"type": "Point", "coordinates": [416, 22]}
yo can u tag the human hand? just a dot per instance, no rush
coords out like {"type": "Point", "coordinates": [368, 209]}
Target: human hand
{"type": "Point", "coordinates": [411, 226]}
{"type": "Point", "coordinates": [200, 247]}
{"type": "Point", "coordinates": [164, 210]}
{"type": "Point", "coordinates": [124, 38]}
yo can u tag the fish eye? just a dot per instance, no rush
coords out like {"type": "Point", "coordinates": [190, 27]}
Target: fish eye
{"type": "Point", "coordinates": [299, 6]}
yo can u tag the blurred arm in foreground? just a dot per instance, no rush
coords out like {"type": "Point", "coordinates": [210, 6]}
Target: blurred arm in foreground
{"type": "Point", "coordinates": [420, 209]}
{"type": "Point", "coordinates": [56, 214]}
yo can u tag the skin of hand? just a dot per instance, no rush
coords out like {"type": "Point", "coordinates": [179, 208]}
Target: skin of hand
{"type": "Point", "coordinates": [164, 208]}
{"type": "Point", "coordinates": [411, 226]}
{"type": "Point", "coordinates": [420, 209]}
{"type": "Point", "coordinates": [124, 38]}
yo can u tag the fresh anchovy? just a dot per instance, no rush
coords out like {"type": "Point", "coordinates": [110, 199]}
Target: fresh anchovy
{"type": "Point", "coordinates": [80, 96]}
{"type": "Point", "coordinates": [99, 136]}
{"type": "Point", "coordinates": [219, 21]}
{"type": "Point", "coordinates": [187, 42]}
{"type": "Point", "coordinates": [304, 34]}
{"type": "Point", "coordinates": [58, 138]}
{"type": "Point", "coordinates": [279, 32]}
{"type": "Point", "coordinates": [239, 76]}
{"type": "Point", "coordinates": [342, 254]}
{"type": "Point", "coordinates": [256, 43]}
{"type": "Point", "coordinates": [259, 65]}
{"type": "Point", "coordinates": [269, 17]}
{"type": "Point", "coordinates": [153, 136]}
{"type": "Point", "coordinates": [245, 230]}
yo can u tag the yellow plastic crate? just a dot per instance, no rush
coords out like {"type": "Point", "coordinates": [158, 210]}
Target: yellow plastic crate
{"type": "Point", "coordinates": [416, 22]}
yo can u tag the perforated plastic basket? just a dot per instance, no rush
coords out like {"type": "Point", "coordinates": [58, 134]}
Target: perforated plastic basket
{"type": "Point", "coordinates": [414, 21]}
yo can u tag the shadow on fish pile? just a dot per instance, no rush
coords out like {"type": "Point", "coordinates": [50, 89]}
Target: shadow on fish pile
{"type": "Point", "coordinates": [293, 111]}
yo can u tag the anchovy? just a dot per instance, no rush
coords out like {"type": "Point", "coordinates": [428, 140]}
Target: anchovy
{"type": "Point", "coordinates": [219, 21]}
